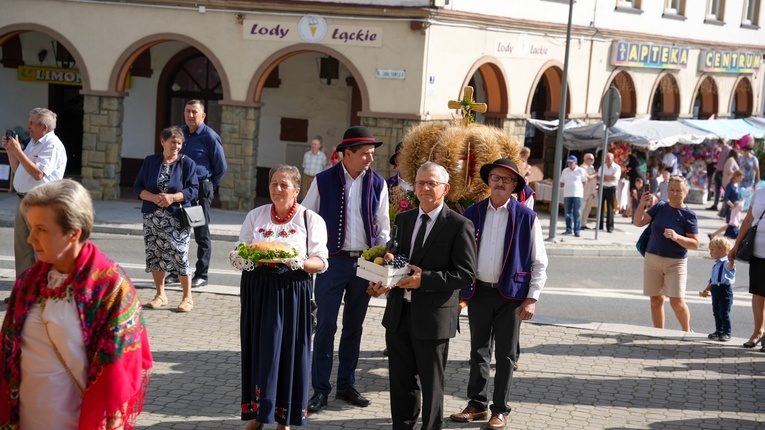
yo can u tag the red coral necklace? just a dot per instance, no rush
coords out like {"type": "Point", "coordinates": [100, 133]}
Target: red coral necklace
{"type": "Point", "coordinates": [289, 216]}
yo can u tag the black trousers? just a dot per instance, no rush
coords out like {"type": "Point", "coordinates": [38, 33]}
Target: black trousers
{"type": "Point", "coordinates": [718, 186]}
{"type": "Point", "coordinates": [609, 195]}
{"type": "Point", "coordinates": [493, 319]}
{"type": "Point", "coordinates": [202, 233]}
{"type": "Point", "coordinates": [411, 360]}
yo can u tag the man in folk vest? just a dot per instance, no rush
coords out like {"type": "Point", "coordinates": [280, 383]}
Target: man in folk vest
{"type": "Point", "coordinates": [511, 272]}
{"type": "Point", "coordinates": [353, 200]}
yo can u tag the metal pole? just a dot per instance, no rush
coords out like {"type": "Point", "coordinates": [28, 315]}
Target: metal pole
{"type": "Point", "coordinates": [600, 188]}
{"type": "Point", "coordinates": [559, 139]}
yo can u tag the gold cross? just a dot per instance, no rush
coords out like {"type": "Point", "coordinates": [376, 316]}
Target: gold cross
{"type": "Point", "coordinates": [467, 105]}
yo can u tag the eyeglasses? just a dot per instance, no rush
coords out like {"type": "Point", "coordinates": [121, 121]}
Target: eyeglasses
{"type": "Point", "coordinates": [430, 184]}
{"type": "Point", "coordinates": [504, 179]}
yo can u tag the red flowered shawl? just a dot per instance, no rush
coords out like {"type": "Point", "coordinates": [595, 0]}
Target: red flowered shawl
{"type": "Point", "coordinates": [116, 342]}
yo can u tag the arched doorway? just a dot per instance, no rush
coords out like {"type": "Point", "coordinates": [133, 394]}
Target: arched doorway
{"type": "Point", "coordinates": [53, 77]}
{"type": "Point", "coordinates": [665, 103]}
{"type": "Point", "coordinates": [544, 104]}
{"type": "Point", "coordinates": [742, 100]}
{"type": "Point", "coordinates": [305, 91]}
{"type": "Point", "coordinates": [188, 75]}
{"type": "Point", "coordinates": [705, 103]}
{"type": "Point", "coordinates": [490, 88]}
{"type": "Point", "coordinates": [623, 82]}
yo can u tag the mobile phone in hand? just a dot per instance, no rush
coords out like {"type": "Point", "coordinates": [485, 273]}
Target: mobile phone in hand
{"type": "Point", "coordinates": [647, 188]}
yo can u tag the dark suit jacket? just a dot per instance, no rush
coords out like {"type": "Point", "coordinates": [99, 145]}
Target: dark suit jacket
{"type": "Point", "coordinates": [448, 263]}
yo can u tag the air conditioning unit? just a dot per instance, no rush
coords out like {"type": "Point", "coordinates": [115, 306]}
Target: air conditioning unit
{"type": "Point", "coordinates": [439, 3]}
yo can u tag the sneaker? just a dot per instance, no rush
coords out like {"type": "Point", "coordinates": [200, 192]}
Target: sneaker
{"type": "Point", "coordinates": [566, 232]}
{"type": "Point", "coordinates": [171, 278]}
{"type": "Point", "coordinates": [712, 208]}
{"type": "Point", "coordinates": [724, 338]}
{"type": "Point", "coordinates": [715, 336]}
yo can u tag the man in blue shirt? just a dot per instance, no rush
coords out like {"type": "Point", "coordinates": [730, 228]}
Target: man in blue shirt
{"type": "Point", "coordinates": [202, 145]}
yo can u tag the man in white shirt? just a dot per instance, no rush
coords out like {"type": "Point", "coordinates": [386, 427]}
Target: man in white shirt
{"type": "Point", "coordinates": [572, 180]}
{"type": "Point", "coordinates": [670, 161]}
{"type": "Point", "coordinates": [353, 201]}
{"type": "Point", "coordinates": [510, 275]}
{"type": "Point", "coordinates": [590, 199]}
{"type": "Point", "coordinates": [611, 174]}
{"type": "Point", "coordinates": [43, 160]}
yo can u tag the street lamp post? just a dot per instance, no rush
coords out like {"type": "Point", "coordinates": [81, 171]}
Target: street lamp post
{"type": "Point", "coordinates": [559, 138]}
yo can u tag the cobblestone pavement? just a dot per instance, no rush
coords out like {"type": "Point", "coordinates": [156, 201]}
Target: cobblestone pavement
{"type": "Point", "coordinates": [568, 378]}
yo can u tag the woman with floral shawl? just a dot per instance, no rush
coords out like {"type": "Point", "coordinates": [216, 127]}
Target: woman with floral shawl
{"type": "Point", "coordinates": [75, 352]}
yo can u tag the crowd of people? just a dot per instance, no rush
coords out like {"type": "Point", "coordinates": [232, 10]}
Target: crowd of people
{"type": "Point", "coordinates": [491, 259]}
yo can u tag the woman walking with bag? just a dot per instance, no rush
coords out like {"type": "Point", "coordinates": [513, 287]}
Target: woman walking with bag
{"type": "Point", "coordinates": [756, 265]}
{"type": "Point", "coordinates": [665, 270]}
{"type": "Point", "coordinates": [166, 182]}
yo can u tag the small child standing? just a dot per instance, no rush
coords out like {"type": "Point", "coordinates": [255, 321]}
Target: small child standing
{"type": "Point", "coordinates": [721, 286]}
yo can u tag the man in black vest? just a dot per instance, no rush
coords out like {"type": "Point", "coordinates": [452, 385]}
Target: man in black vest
{"type": "Point", "coordinates": [353, 200]}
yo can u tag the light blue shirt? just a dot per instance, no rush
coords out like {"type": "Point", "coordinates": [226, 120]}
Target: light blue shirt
{"type": "Point", "coordinates": [49, 155]}
{"type": "Point", "coordinates": [721, 274]}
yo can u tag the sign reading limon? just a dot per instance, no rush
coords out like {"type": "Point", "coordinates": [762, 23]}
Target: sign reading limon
{"type": "Point", "coordinates": [49, 75]}
{"type": "Point", "coordinates": [729, 62]}
{"type": "Point", "coordinates": [631, 54]}
{"type": "Point", "coordinates": [312, 29]}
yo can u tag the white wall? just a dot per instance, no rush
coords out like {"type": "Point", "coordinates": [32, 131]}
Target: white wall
{"type": "Point", "coordinates": [301, 95]}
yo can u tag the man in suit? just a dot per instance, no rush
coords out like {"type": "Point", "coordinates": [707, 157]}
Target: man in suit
{"type": "Point", "coordinates": [422, 313]}
{"type": "Point", "coordinates": [509, 278]}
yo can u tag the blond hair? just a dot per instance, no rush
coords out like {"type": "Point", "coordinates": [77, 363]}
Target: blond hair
{"type": "Point", "coordinates": [69, 200]}
{"type": "Point", "coordinates": [721, 242]}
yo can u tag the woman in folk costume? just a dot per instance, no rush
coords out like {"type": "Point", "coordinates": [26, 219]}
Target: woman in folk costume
{"type": "Point", "coordinates": [75, 352]}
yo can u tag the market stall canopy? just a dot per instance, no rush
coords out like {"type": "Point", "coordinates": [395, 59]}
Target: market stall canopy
{"type": "Point", "coordinates": [727, 128]}
{"type": "Point", "coordinates": [641, 132]}
{"type": "Point", "coordinates": [756, 121]}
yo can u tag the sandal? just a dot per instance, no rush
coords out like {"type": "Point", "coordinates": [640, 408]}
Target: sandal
{"type": "Point", "coordinates": [157, 302]}
{"type": "Point", "coordinates": [185, 306]}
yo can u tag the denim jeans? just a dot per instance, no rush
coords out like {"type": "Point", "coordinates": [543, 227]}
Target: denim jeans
{"type": "Point", "coordinates": [573, 209]}
{"type": "Point", "coordinates": [722, 299]}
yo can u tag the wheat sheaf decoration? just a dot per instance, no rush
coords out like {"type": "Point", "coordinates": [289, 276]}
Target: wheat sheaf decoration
{"type": "Point", "coordinates": [462, 147]}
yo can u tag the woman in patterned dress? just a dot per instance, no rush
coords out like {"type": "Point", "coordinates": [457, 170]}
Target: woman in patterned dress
{"type": "Point", "coordinates": [75, 352]}
{"type": "Point", "coordinates": [276, 306]}
{"type": "Point", "coordinates": [166, 182]}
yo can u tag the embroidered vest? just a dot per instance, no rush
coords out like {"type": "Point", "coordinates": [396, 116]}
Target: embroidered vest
{"type": "Point", "coordinates": [333, 209]}
{"type": "Point", "coordinates": [515, 277]}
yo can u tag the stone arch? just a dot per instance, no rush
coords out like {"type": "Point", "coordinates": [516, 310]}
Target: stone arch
{"type": "Point", "coordinates": [706, 92]}
{"type": "Point", "coordinates": [128, 56]}
{"type": "Point", "coordinates": [742, 98]}
{"type": "Point", "coordinates": [493, 74]}
{"type": "Point", "coordinates": [552, 72]}
{"type": "Point", "coordinates": [255, 90]}
{"type": "Point", "coordinates": [16, 29]}
{"type": "Point", "coordinates": [664, 103]}
{"type": "Point", "coordinates": [623, 81]}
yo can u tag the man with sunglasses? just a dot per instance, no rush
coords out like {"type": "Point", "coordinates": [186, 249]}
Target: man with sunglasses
{"type": "Point", "coordinates": [510, 274]}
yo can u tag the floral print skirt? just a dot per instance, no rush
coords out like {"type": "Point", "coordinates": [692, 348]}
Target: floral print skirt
{"type": "Point", "coordinates": [167, 243]}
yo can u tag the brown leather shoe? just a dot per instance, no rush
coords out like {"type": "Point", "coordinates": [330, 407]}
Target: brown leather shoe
{"type": "Point", "coordinates": [497, 421]}
{"type": "Point", "coordinates": [469, 414]}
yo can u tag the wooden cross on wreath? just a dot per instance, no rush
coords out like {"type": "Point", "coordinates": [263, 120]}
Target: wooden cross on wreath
{"type": "Point", "coordinates": [467, 106]}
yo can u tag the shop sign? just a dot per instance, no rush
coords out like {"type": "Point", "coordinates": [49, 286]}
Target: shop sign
{"type": "Point", "coordinates": [390, 74]}
{"type": "Point", "coordinates": [729, 62]}
{"type": "Point", "coordinates": [312, 28]}
{"type": "Point", "coordinates": [632, 54]}
{"type": "Point", "coordinates": [521, 47]}
{"type": "Point", "coordinates": [49, 75]}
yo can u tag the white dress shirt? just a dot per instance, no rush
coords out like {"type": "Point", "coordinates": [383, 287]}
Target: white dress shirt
{"type": "Point", "coordinates": [354, 227]}
{"type": "Point", "coordinates": [614, 170]}
{"type": "Point", "coordinates": [433, 215]}
{"type": "Point", "coordinates": [49, 155]}
{"type": "Point", "coordinates": [573, 181]}
{"type": "Point", "coordinates": [491, 251]}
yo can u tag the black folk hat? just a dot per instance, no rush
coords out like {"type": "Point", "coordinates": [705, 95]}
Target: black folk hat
{"type": "Point", "coordinates": [357, 135]}
{"type": "Point", "coordinates": [393, 161]}
{"type": "Point", "coordinates": [505, 164]}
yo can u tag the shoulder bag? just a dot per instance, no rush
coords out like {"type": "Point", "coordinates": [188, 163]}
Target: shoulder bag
{"type": "Point", "coordinates": [192, 216]}
{"type": "Point", "coordinates": [746, 247]}
{"type": "Point", "coordinates": [642, 242]}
